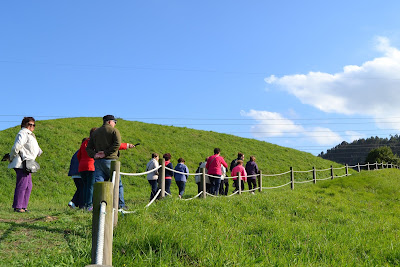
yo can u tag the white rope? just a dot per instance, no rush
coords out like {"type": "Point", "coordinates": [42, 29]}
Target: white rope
{"type": "Point", "coordinates": [339, 168]}
{"type": "Point", "coordinates": [253, 175]}
{"type": "Point", "coordinates": [250, 190]}
{"type": "Point", "coordinates": [210, 194]}
{"type": "Point", "coordinates": [271, 175]}
{"type": "Point", "coordinates": [100, 234]}
{"type": "Point", "coordinates": [184, 173]}
{"type": "Point", "coordinates": [138, 174]}
{"type": "Point", "coordinates": [126, 211]}
{"type": "Point", "coordinates": [194, 196]}
{"type": "Point", "coordinates": [302, 171]}
{"type": "Point", "coordinates": [303, 182]}
{"type": "Point", "coordinates": [234, 193]}
{"type": "Point", "coordinates": [324, 170]}
{"type": "Point", "coordinates": [155, 197]}
{"type": "Point", "coordinates": [324, 178]}
{"type": "Point", "coordinates": [230, 177]}
{"type": "Point", "coordinates": [340, 176]}
{"type": "Point", "coordinates": [273, 187]}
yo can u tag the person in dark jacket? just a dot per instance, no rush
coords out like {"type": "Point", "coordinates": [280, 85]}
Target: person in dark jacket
{"type": "Point", "coordinates": [77, 200]}
{"type": "Point", "coordinates": [252, 170]}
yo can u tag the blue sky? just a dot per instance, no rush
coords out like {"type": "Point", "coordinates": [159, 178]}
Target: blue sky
{"type": "Point", "coordinates": [302, 74]}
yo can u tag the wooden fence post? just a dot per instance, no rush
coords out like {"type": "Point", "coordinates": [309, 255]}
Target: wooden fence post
{"type": "Point", "coordinates": [115, 166]}
{"type": "Point", "coordinates": [203, 181]}
{"type": "Point", "coordinates": [314, 175]}
{"type": "Point", "coordinates": [161, 177]}
{"type": "Point", "coordinates": [292, 178]}
{"type": "Point", "coordinates": [347, 169]}
{"type": "Point", "coordinates": [103, 192]}
{"type": "Point", "coordinates": [332, 176]}
{"type": "Point", "coordinates": [368, 166]}
{"type": "Point", "coordinates": [358, 167]}
{"type": "Point", "coordinates": [260, 181]}
{"type": "Point", "coordinates": [376, 165]}
{"type": "Point", "coordinates": [239, 182]}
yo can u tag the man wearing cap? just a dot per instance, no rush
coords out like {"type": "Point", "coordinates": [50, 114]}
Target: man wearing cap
{"type": "Point", "coordinates": [103, 146]}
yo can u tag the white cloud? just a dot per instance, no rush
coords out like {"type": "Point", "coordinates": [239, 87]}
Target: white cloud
{"type": "Point", "coordinates": [370, 89]}
{"type": "Point", "coordinates": [272, 124]}
{"type": "Point", "coordinates": [352, 136]}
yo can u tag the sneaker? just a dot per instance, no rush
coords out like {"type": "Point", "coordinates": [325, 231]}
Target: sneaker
{"type": "Point", "coordinates": [71, 205]}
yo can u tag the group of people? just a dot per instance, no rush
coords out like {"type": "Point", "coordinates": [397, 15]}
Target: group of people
{"type": "Point", "coordinates": [181, 174]}
{"type": "Point", "coordinates": [92, 163]}
{"type": "Point", "coordinates": [216, 168]}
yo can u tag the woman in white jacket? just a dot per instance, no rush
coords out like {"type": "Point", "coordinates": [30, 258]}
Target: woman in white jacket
{"type": "Point", "coordinates": [25, 147]}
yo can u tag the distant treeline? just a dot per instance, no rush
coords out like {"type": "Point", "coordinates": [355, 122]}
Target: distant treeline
{"type": "Point", "coordinates": [357, 151]}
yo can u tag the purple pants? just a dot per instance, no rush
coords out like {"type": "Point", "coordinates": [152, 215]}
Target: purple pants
{"type": "Point", "coordinates": [23, 189]}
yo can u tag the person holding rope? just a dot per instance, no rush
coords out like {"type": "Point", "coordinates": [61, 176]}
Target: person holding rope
{"type": "Point", "coordinates": [180, 179]}
{"type": "Point", "coordinates": [214, 168]}
{"type": "Point", "coordinates": [152, 177]}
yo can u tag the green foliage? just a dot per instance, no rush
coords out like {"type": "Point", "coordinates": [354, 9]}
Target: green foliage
{"type": "Point", "coordinates": [382, 154]}
{"type": "Point", "coordinates": [356, 151]}
{"type": "Point", "coordinates": [345, 221]}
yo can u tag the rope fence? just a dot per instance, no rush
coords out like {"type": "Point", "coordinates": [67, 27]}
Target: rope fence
{"type": "Point", "coordinates": [105, 216]}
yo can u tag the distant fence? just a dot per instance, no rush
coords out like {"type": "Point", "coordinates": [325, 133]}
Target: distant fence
{"type": "Point", "coordinates": [106, 196]}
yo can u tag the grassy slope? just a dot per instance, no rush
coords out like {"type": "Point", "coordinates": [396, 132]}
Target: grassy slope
{"type": "Point", "coordinates": [330, 223]}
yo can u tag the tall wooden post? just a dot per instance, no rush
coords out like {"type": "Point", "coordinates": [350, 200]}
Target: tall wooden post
{"type": "Point", "coordinates": [161, 177]}
{"type": "Point", "coordinates": [376, 165]}
{"type": "Point", "coordinates": [103, 192]}
{"type": "Point", "coordinates": [239, 182]}
{"type": "Point", "coordinates": [203, 181]}
{"type": "Point", "coordinates": [368, 166]}
{"type": "Point", "coordinates": [314, 175]}
{"type": "Point", "coordinates": [260, 181]}
{"type": "Point", "coordinates": [358, 167]}
{"type": "Point", "coordinates": [347, 169]}
{"type": "Point", "coordinates": [115, 166]}
{"type": "Point", "coordinates": [292, 178]}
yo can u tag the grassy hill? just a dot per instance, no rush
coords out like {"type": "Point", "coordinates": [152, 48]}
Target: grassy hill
{"type": "Point", "coordinates": [347, 221]}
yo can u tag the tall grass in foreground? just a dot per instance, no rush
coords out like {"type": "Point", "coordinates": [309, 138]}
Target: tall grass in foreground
{"type": "Point", "coordinates": [349, 221]}
{"type": "Point", "coordinates": [346, 221]}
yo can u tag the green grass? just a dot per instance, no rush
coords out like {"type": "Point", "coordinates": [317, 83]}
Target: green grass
{"type": "Point", "coordinates": [346, 221]}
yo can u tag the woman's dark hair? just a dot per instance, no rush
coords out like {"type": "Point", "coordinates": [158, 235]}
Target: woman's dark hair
{"type": "Point", "coordinates": [252, 158]}
{"type": "Point", "coordinates": [167, 156]}
{"type": "Point", "coordinates": [154, 155]}
{"type": "Point", "coordinates": [216, 150]}
{"type": "Point", "coordinates": [181, 160]}
{"type": "Point", "coordinates": [26, 120]}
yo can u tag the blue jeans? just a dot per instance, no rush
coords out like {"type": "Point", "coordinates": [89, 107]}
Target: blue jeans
{"type": "Point", "coordinates": [87, 178]}
{"type": "Point", "coordinates": [154, 188]}
{"type": "Point", "coordinates": [181, 186]}
{"type": "Point", "coordinates": [215, 182]}
{"type": "Point", "coordinates": [168, 185]}
{"type": "Point", "coordinates": [102, 173]}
